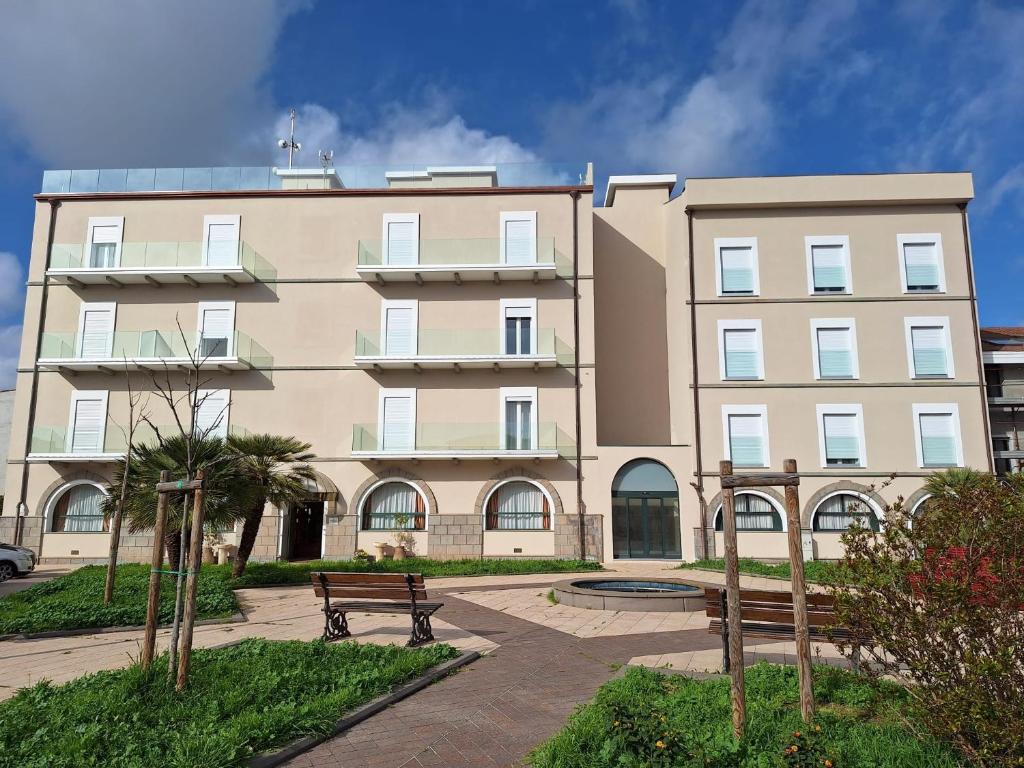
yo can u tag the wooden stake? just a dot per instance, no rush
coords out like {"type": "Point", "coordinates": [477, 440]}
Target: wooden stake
{"type": "Point", "coordinates": [195, 560]}
{"type": "Point", "coordinates": [156, 565]}
{"type": "Point", "coordinates": [732, 587]}
{"type": "Point", "coordinates": [796, 565]}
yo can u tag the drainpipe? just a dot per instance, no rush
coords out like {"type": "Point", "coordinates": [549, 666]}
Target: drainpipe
{"type": "Point", "coordinates": [977, 336]}
{"type": "Point", "coordinates": [22, 509]}
{"type": "Point", "coordinates": [581, 519]}
{"type": "Point", "coordinates": [696, 391]}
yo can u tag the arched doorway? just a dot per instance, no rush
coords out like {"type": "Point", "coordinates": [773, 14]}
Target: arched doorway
{"type": "Point", "coordinates": [645, 512]}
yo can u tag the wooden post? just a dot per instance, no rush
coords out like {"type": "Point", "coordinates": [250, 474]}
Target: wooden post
{"type": "Point", "coordinates": [195, 560]}
{"type": "Point", "coordinates": [796, 564]}
{"type": "Point", "coordinates": [156, 565]}
{"type": "Point", "coordinates": [732, 586]}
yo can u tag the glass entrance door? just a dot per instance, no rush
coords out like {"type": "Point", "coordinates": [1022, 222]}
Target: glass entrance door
{"type": "Point", "coordinates": [645, 526]}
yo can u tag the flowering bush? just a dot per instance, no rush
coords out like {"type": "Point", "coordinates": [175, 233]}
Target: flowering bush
{"type": "Point", "coordinates": [805, 751]}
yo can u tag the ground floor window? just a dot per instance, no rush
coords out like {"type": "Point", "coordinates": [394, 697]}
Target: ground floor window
{"type": "Point", "coordinates": [753, 513]}
{"type": "Point", "coordinates": [79, 510]}
{"type": "Point", "coordinates": [837, 513]}
{"type": "Point", "coordinates": [394, 506]}
{"type": "Point", "coordinates": [518, 506]}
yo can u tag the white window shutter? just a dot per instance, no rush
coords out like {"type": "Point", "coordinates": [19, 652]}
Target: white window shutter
{"type": "Point", "coordinates": [402, 246]}
{"type": "Point", "coordinates": [835, 353]}
{"type": "Point", "coordinates": [741, 353]}
{"type": "Point", "coordinates": [938, 440]}
{"type": "Point", "coordinates": [842, 441]}
{"type": "Point", "coordinates": [398, 431]}
{"type": "Point", "coordinates": [216, 331]}
{"type": "Point", "coordinates": [929, 350]}
{"type": "Point", "coordinates": [746, 440]}
{"type": "Point", "coordinates": [221, 244]}
{"type": "Point", "coordinates": [212, 412]}
{"type": "Point", "coordinates": [399, 339]}
{"type": "Point", "coordinates": [737, 264]}
{"type": "Point", "coordinates": [97, 332]}
{"type": "Point", "coordinates": [829, 267]}
{"type": "Point", "coordinates": [921, 261]}
{"type": "Point", "coordinates": [520, 241]}
{"type": "Point", "coordinates": [107, 233]}
{"type": "Point", "coordinates": [87, 431]}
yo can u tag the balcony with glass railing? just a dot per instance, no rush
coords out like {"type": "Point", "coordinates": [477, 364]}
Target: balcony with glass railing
{"type": "Point", "coordinates": [142, 350]}
{"type": "Point", "coordinates": [463, 441]}
{"type": "Point", "coordinates": [61, 444]}
{"type": "Point", "coordinates": [158, 263]}
{"type": "Point", "coordinates": [458, 259]}
{"type": "Point", "coordinates": [455, 349]}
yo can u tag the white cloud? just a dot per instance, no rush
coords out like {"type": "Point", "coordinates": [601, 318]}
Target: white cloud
{"type": "Point", "coordinates": [10, 342]}
{"type": "Point", "coordinates": [12, 284]}
{"type": "Point", "coordinates": [108, 83]}
{"type": "Point", "coordinates": [725, 119]}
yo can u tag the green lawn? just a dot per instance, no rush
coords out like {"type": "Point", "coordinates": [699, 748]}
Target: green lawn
{"type": "Point", "coordinates": [75, 600]}
{"type": "Point", "coordinates": [240, 701]}
{"type": "Point", "coordinates": [650, 719]}
{"type": "Point", "coordinates": [818, 571]}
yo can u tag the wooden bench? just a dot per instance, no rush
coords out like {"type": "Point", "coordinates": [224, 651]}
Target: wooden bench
{"type": "Point", "coordinates": [345, 593]}
{"type": "Point", "coordinates": [770, 614]}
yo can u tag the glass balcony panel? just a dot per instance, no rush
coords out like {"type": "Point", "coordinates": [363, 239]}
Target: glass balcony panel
{"type": "Point", "coordinates": [467, 252]}
{"type": "Point", "coordinates": [464, 437]}
{"type": "Point", "coordinates": [157, 255]}
{"type": "Point", "coordinates": [167, 344]}
{"type": "Point", "coordinates": [463, 342]}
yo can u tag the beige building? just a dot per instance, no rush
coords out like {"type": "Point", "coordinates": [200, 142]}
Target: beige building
{"type": "Point", "coordinates": [480, 356]}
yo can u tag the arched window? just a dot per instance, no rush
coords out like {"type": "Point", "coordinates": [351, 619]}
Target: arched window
{"type": "Point", "coordinates": [753, 513]}
{"type": "Point", "coordinates": [518, 505]}
{"type": "Point", "coordinates": [837, 513]}
{"type": "Point", "coordinates": [78, 509]}
{"type": "Point", "coordinates": [645, 511]}
{"type": "Point", "coordinates": [393, 506]}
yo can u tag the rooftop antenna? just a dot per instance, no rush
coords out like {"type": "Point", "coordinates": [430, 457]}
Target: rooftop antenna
{"type": "Point", "coordinates": [290, 143]}
{"type": "Point", "coordinates": [326, 160]}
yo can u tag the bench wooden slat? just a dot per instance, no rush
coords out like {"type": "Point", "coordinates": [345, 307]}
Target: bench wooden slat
{"type": "Point", "coordinates": [385, 607]}
{"type": "Point", "coordinates": [763, 596]}
{"type": "Point", "coordinates": [775, 631]}
{"type": "Point", "coordinates": [337, 577]}
{"type": "Point", "coordinates": [371, 593]}
{"type": "Point", "coordinates": [775, 616]}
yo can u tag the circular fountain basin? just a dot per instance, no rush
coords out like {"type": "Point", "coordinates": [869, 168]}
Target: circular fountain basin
{"type": "Point", "coordinates": [631, 594]}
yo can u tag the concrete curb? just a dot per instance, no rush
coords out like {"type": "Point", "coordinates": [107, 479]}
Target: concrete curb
{"type": "Point", "coordinates": [358, 715]}
{"type": "Point", "coordinates": [237, 618]}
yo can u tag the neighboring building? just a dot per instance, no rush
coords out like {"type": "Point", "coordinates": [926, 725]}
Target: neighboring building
{"type": "Point", "coordinates": [1003, 353]}
{"type": "Point", "coordinates": [480, 355]}
{"type": "Point", "coordinates": [6, 413]}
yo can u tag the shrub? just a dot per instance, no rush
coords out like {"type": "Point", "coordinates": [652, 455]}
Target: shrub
{"type": "Point", "coordinates": [817, 571]}
{"type": "Point", "coordinates": [938, 603]}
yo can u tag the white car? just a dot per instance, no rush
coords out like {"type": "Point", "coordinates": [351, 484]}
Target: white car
{"type": "Point", "coordinates": [16, 561]}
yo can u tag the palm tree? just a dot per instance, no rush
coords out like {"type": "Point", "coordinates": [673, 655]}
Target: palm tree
{"type": "Point", "coordinates": [954, 482]}
{"type": "Point", "coordinates": [228, 494]}
{"type": "Point", "coordinates": [277, 472]}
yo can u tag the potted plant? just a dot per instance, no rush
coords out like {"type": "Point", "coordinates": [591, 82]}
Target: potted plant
{"type": "Point", "coordinates": [381, 549]}
{"type": "Point", "coordinates": [404, 540]}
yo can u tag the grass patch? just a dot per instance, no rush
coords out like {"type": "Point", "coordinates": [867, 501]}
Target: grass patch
{"type": "Point", "coordinates": [691, 721]}
{"type": "Point", "coordinates": [259, 574]}
{"type": "Point", "coordinates": [240, 701]}
{"type": "Point", "coordinates": [552, 597]}
{"type": "Point", "coordinates": [817, 571]}
{"type": "Point", "coordinates": [75, 600]}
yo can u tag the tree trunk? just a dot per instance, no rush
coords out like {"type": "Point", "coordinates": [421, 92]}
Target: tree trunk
{"type": "Point", "coordinates": [172, 540]}
{"type": "Point", "coordinates": [250, 528]}
{"type": "Point", "coordinates": [115, 541]}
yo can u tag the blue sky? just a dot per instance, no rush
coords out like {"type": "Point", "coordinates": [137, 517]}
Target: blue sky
{"type": "Point", "coordinates": [714, 88]}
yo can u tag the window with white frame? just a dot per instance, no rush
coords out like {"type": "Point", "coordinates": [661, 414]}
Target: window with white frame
{"type": "Point", "coordinates": [841, 435]}
{"type": "Point", "coordinates": [518, 237]}
{"type": "Point", "coordinates": [519, 326]}
{"type": "Point", "coordinates": [401, 239]}
{"type": "Point", "coordinates": [921, 263]}
{"type": "Point", "coordinates": [221, 240]}
{"type": "Point", "coordinates": [96, 330]}
{"type": "Point", "coordinates": [828, 264]}
{"type": "Point", "coordinates": [519, 418]}
{"type": "Point", "coordinates": [929, 350]}
{"type": "Point", "coordinates": [88, 421]}
{"type": "Point", "coordinates": [394, 505]}
{"type": "Point", "coordinates": [740, 353]}
{"type": "Point", "coordinates": [399, 327]}
{"type": "Point", "coordinates": [745, 429]}
{"type": "Point", "coordinates": [937, 430]}
{"type": "Point", "coordinates": [103, 242]}
{"type": "Point", "coordinates": [736, 271]}
{"type": "Point", "coordinates": [838, 512]}
{"type": "Point", "coordinates": [397, 419]}
{"type": "Point", "coordinates": [216, 329]}
{"type": "Point", "coordinates": [834, 348]}
{"type": "Point", "coordinates": [79, 509]}
{"type": "Point", "coordinates": [753, 513]}
{"type": "Point", "coordinates": [212, 406]}
{"type": "Point", "coordinates": [517, 505]}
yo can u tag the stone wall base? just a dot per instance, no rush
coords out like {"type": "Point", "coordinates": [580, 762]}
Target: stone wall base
{"type": "Point", "coordinates": [456, 537]}
{"type": "Point", "coordinates": [567, 536]}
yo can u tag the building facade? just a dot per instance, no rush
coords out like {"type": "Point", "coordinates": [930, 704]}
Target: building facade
{"type": "Point", "coordinates": [1003, 354]}
{"type": "Point", "coordinates": [485, 362]}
